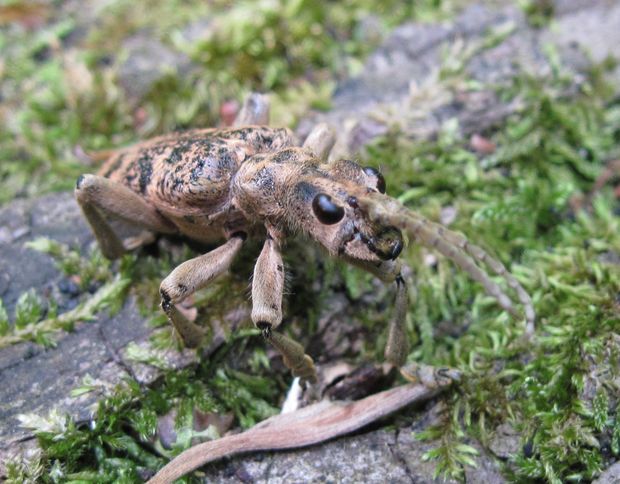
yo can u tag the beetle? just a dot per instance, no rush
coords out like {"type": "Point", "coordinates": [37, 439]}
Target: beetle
{"type": "Point", "coordinates": [251, 180]}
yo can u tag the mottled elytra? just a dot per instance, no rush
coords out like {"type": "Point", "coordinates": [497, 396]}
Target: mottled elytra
{"type": "Point", "coordinates": [325, 210]}
{"type": "Point", "coordinates": [253, 181]}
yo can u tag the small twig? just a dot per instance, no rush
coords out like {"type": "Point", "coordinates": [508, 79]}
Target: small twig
{"type": "Point", "coordinates": [308, 426]}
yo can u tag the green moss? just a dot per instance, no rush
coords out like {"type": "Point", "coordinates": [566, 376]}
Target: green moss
{"type": "Point", "coordinates": [519, 202]}
{"type": "Point", "coordinates": [57, 98]}
{"type": "Point", "coordinates": [119, 445]}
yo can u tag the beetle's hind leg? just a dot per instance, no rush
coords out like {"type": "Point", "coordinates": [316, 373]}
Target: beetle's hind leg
{"type": "Point", "coordinates": [98, 196]}
{"type": "Point", "coordinates": [190, 276]}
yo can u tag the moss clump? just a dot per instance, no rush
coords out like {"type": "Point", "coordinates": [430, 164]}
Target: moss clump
{"type": "Point", "coordinates": [534, 203]}
{"type": "Point", "coordinates": [523, 203]}
{"type": "Point", "coordinates": [120, 445]}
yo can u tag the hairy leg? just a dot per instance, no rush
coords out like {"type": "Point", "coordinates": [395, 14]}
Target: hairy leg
{"type": "Point", "coordinates": [255, 111]}
{"type": "Point", "coordinates": [397, 346]}
{"type": "Point", "coordinates": [267, 289]}
{"type": "Point", "coordinates": [320, 141]}
{"type": "Point", "coordinates": [190, 276]}
{"type": "Point", "coordinates": [99, 196]}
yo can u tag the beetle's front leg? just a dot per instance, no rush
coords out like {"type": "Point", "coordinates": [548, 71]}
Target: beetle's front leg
{"type": "Point", "coordinates": [267, 289]}
{"type": "Point", "coordinates": [190, 276]}
{"type": "Point", "coordinates": [397, 347]}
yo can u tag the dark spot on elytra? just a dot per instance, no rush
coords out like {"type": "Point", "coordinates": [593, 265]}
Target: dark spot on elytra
{"type": "Point", "coordinates": [78, 182]}
{"type": "Point", "coordinates": [174, 157]}
{"type": "Point", "coordinates": [158, 150]}
{"type": "Point", "coordinates": [263, 140]}
{"type": "Point", "coordinates": [274, 307]}
{"type": "Point", "coordinates": [280, 268]}
{"type": "Point", "coordinates": [225, 161]}
{"type": "Point", "coordinates": [178, 152]}
{"type": "Point", "coordinates": [177, 183]}
{"type": "Point", "coordinates": [283, 156]}
{"type": "Point", "coordinates": [146, 171]}
{"type": "Point", "coordinates": [197, 170]}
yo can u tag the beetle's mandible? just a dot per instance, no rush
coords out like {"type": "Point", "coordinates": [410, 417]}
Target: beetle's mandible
{"type": "Point", "coordinates": [255, 181]}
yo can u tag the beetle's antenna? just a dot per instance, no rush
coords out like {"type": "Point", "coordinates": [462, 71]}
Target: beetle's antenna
{"type": "Point", "coordinates": [387, 211]}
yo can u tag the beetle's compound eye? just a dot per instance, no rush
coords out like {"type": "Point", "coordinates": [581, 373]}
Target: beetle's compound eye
{"type": "Point", "coordinates": [325, 210]}
{"type": "Point", "coordinates": [370, 171]}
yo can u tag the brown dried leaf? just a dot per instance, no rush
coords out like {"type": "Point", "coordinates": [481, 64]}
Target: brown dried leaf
{"type": "Point", "coordinates": [307, 426]}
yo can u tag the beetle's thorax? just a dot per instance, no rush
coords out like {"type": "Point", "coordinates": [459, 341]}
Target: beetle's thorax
{"type": "Point", "coordinates": [293, 192]}
{"type": "Point", "coordinates": [264, 185]}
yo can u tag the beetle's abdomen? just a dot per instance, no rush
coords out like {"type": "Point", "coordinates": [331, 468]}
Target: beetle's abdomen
{"type": "Point", "coordinates": [179, 173]}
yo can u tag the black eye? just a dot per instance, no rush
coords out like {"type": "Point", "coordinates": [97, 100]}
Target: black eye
{"type": "Point", "coordinates": [370, 171]}
{"type": "Point", "coordinates": [325, 210]}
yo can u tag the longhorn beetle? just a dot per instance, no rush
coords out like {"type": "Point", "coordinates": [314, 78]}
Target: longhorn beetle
{"type": "Point", "coordinates": [251, 180]}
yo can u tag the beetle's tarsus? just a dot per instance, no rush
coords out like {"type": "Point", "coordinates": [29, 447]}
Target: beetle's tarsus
{"type": "Point", "coordinates": [430, 376]}
{"type": "Point", "coordinates": [190, 333]}
{"type": "Point", "coordinates": [294, 357]}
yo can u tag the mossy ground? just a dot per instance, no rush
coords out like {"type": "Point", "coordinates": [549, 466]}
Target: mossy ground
{"type": "Point", "coordinates": [533, 202]}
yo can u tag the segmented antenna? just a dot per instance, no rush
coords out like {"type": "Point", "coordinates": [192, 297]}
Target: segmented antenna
{"type": "Point", "coordinates": [387, 211]}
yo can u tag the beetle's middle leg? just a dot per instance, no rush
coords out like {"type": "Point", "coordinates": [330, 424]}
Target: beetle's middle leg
{"type": "Point", "coordinates": [267, 289]}
{"type": "Point", "coordinates": [190, 276]}
{"type": "Point", "coordinates": [321, 140]}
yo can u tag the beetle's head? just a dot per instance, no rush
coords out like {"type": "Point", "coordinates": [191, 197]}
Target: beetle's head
{"type": "Point", "coordinates": [334, 218]}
